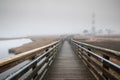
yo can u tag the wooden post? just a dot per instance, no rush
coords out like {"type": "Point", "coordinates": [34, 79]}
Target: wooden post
{"type": "Point", "coordinates": [105, 66]}
{"type": "Point", "coordinates": [34, 66]}
{"type": "Point", "coordinates": [89, 57]}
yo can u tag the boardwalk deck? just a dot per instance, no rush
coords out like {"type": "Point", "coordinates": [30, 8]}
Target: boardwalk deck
{"type": "Point", "coordinates": [68, 66]}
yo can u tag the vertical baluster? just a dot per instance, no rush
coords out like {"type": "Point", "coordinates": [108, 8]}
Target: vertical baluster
{"type": "Point", "coordinates": [105, 66]}
{"type": "Point", "coordinates": [34, 66]}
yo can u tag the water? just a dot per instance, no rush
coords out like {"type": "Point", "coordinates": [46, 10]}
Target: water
{"type": "Point", "coordinates": [4, 52]}
{"type": "Point", "coordinates": [5, 45]}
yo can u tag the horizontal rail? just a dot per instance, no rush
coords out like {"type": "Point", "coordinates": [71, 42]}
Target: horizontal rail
{"type": "Point", "coordinates": [108, 51]}
{"type": "Point", "coordinates": [101, 66]}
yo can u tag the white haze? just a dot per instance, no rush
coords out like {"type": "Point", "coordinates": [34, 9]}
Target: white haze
{"type": "Point", "coordinates": [42, 17]}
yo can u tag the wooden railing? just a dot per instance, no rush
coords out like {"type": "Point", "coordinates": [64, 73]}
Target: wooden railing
{"type": "Point", "coordinates": [40, 60]}
{"type": "Point", "coordinates": [103, 63]}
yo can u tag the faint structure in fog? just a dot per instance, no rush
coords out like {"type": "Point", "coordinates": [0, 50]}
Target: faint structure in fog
{"type": "Point", "coordinates": [100, 32]}
{"type": "Point", "coordinates": [85, 32]}
{"type": "Point", "coordinates": [93, 24]}
{"type": "Point", "coordinates": [109, 31]}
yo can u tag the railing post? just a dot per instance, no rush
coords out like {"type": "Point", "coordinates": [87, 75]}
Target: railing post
{"type": "Point", "coordinates": [47, 58]}
{"type": "Point", "coordinates": [105, 66]}
{"type": "Point", "coordinates": [89, 57]}
{"type": "Point", "coordinates": [34, 66]}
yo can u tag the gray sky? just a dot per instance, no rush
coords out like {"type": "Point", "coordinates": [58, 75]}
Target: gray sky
{"type": "Point", "coordinates": [37, 17]}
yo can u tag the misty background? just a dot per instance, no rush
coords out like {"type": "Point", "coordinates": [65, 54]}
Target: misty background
{"type": "Point", "coordinates": [43, 17]}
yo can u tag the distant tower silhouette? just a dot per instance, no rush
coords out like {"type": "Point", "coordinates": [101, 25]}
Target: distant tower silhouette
{"type": "Point", "coordinates": [93, 24]}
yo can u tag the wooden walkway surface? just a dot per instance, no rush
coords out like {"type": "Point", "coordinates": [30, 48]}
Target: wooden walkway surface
{"type": "Point", "coordinates": [68, 66]}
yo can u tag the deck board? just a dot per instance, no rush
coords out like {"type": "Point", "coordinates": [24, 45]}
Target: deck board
{"type": "Point", "coordinates": [68, 66]}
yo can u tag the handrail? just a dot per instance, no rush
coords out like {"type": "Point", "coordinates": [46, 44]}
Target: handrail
{"type": "Point", "coordinates": [38, 63]}
{"type": "Point", "coordinates": [98, 64]}
{"type": "Point", "coordinates": [10, 62]}
{"type": "Point", "coordinates": [111, 52]}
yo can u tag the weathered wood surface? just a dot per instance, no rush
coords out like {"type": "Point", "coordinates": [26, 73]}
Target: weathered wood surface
{"type": "Point", "coordinates": [68, 66]}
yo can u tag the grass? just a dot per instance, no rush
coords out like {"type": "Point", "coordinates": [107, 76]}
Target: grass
{"type": "Point", "coordinates": [37, 42]}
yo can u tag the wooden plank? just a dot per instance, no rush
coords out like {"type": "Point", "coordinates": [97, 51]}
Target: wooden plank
{"type": "Point", "coordinates": [68, 66]}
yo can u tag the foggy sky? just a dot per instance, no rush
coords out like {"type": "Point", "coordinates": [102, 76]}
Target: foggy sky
{"type": "Point", "coordinates": [37, 17]}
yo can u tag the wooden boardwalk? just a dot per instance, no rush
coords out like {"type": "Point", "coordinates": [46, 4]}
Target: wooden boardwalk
{"type": "Point", "coordinates": [68, 66]}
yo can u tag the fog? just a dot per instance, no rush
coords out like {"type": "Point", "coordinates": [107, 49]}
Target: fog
{"type": "Point", "coordinates": [43, 17]}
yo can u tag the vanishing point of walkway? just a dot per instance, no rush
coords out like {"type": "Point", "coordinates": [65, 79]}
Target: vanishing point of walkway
{"type": "Point", "coordinates": [68, 66]}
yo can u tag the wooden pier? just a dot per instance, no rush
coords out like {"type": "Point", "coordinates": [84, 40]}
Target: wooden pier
{"type": "Point", "coordinates": [65, 59]}
{"type": "Point", "coordinates": [68, 66]}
